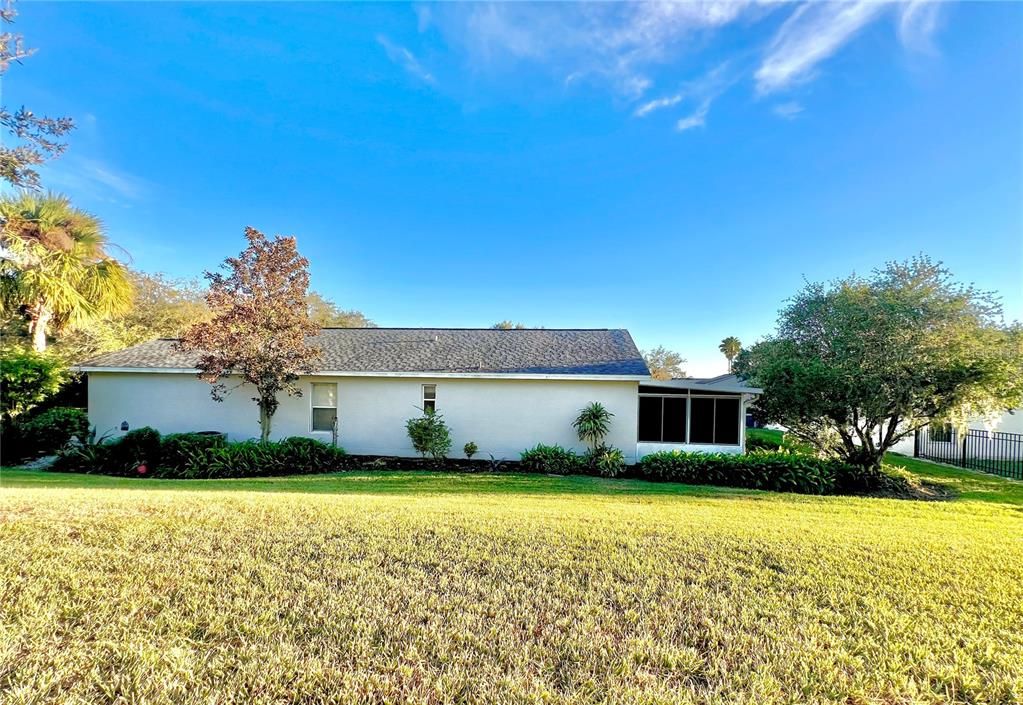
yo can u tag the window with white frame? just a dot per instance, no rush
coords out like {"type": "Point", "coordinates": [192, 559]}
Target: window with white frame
{"type": "Point", "coordinates": [429, 397]}
{"type": "Point", "coordinates": [324, 406]}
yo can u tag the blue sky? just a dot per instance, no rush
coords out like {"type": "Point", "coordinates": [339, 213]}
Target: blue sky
{"type": "Point", "coordinates": [677, 170]}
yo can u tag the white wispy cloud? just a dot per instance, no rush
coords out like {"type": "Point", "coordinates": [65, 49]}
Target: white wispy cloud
{"type": "Point", "coordinates": [697, 119]}
{"type": "Point", "coordinates": [918, 21]}
{"type": "Point", "coordinates": [788, 111]}
{"type": "Point", "coordinates": [628, 48]}
{"type": "Point", "coordinates": [406, 59]}
{"type": "Point", "coordinates": [702, 91]}
{"type": "Point", "coordinates": [615, 44]}
{"type": "Point", "coordinates": [813, 33]}
{"type": "Point", "coordinates": [651, 106]}
{"type": "Point", "coordinates": [94, 178]}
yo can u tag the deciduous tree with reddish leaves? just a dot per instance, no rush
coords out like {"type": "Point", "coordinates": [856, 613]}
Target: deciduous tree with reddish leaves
{"type": "Point", "coordinates": [260, 329]}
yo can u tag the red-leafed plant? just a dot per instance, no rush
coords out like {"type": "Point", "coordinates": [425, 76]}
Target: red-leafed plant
{"type": "Point", "coordinates": [260, 327]}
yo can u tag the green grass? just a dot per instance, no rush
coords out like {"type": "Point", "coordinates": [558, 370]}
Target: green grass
{"type": "Point", "coordinates": [966, 484]}
{"type": "Point", "coordinates": [765, 434]}
{"type": "Point", "coordinates": [436, 587]}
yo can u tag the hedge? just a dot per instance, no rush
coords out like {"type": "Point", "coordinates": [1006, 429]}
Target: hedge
{"type": "Point", "coordinates": [778, 471]}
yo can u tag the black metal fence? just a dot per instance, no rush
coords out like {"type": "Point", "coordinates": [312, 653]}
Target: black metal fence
{"type": "Point", "coordinates": [988, 451]}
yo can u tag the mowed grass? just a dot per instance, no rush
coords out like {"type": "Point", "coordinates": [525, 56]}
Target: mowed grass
{"type": "Point", "coordinates": [433, 587]}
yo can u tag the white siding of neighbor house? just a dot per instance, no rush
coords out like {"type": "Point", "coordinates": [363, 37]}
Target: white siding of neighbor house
{"type": "Point", "coordinates": [502, 416]}
{"type": "Point", "coordinates": [1006, 423]}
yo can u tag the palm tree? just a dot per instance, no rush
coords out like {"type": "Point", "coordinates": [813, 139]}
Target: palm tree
{"type": "Point", "coordinates": [730, 348]}
{"type": "Point", "coordinates": [54, 267]}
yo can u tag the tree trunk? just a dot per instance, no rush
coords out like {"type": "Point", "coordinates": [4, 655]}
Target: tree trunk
{"type": "Point", "coordinates": [38, 322]}
{"type": "Point", "coordinates": [264, 424]}
{"type": "Point", "coordinates": [866, 458]}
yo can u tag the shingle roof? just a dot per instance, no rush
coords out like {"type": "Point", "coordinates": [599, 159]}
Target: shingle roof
{"type": "Point", "coordinates": [440, 350]}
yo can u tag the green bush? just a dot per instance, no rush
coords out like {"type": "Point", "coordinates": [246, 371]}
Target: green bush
{"type": "Point", "coordinates": [604, 460]}
{"type": "Point", "coordinates": [53, 429]}
{"type": "Point", "coordinates": [429, 434]}
{"type": "Point", "coordinates": [761, 470]}
{"type": "Point", "coordinates": [28, 378]}
{"type": "Point", "coordinates": [470, 449]}
{"type": "Point", "coordinates": [200, 455]}
{"type": "Point", "coordinates": [46, 433]}
{"type": "Point", "coordinates": [553, 460]}
{"type": "Point", "coordinates": [184, 450]}
{"type": "Point", "coordinates": [141, 446]}
{"type": "Point", "coordinates": [292, 456]}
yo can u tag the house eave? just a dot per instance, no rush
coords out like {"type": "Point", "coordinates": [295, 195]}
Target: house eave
{"type": "Point", "coordinates": [413, 374]}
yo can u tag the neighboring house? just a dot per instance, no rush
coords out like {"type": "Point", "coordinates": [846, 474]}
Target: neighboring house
{"type": "Point", "coordinates": [505, 390]}
{"type": "Point", "coordinates": [1007, 426]}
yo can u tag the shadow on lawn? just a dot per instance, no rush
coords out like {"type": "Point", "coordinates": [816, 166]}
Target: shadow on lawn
{"type": "Point", "coordinates": [383, 482]}
{"type": "Point", "coordinates": [937, 481]}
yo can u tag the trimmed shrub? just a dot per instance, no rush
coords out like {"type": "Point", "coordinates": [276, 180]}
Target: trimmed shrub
{"type": "Point", "coordinates": [606, 461]}
{"type": "Point", "coordinates": [470, 449]}
{"type": "Point", "coordinates": [760, 470]}
{"type": "Point", "coordinates": [553, 460]}
{"type": "Point", "coordinates": [429, 434]}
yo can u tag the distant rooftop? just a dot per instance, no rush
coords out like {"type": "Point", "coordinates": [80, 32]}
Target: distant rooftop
{"type": "Point", "coordinates": [546, 351]}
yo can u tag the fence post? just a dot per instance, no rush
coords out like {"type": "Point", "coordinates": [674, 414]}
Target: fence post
{"type": "Point", "coordinates": [916, 443]}
{"type": "Point", "coordinates": [965, 436]}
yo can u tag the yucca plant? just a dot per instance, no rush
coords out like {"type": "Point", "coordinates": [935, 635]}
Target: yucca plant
{"type": "Point", "coordinates": [593, 423]}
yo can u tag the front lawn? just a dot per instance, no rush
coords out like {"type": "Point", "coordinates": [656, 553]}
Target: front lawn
{"type": "Point", "coordinates": [435, 587]}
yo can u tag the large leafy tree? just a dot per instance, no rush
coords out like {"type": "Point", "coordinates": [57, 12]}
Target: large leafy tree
{"type": "Point", "coordinates": [664, 363]}
{"type": "Point", "coordinates": [324, 313]}
{"type": "Point", "coordinates": [33, 138]}
{"type": "Point", "coordinates": [859, 364]}
{"type": "Point", "coordinates": [259, 329]}
{"type": "Point", "coordinates": [54, 266]}
{"type": "Point", "coordinates": [730, 347]}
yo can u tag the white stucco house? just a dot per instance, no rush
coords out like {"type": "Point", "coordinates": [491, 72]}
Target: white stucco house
{"type": "Point", "coordinates": [505, 390]}
{"type": "Point", "coordinates": [1008, 425]}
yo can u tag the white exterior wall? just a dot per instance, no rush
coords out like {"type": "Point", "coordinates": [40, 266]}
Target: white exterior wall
{"type": "Point", "coordinates": [502, 416]}
{"type": "Point", "coordinates": [1006, 423]}
{"type": "Point", "coordinates": [648, 448]}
